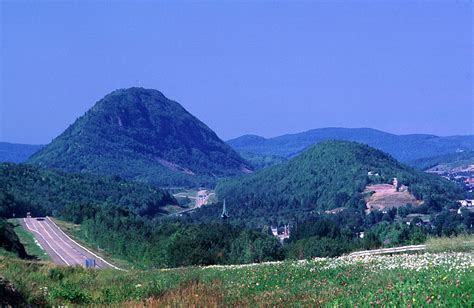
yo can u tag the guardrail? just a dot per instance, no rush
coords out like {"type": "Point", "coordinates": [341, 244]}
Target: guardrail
{"type": "Point", "coordinates": [388, 250]}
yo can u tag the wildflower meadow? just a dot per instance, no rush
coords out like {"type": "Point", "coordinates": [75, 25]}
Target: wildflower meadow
{"type": "Point", "coordinates": [445, 279]}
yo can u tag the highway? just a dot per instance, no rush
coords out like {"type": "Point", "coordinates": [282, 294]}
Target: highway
{"type": "Point", "coordinates": [61, 248]}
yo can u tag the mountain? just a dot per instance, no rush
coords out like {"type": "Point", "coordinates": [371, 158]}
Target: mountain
{"type": "Point", "coordinates": [332, 175]}
{"type": "Point", "coordinates": [17, 153]}
{"type": "Point", "coordinates": [140, 134]}
{"type": "Point", "coordinates": [453, 162]}
{"type": "Point", "coordinates": [402, 147]}
{"type": "Point", "coordinates": [26, 188]}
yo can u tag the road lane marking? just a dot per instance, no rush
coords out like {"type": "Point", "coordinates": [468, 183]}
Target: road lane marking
{"type": "Point", "coordinates": [46, 241]}
{"type": "Point", "coordinates": [61, 238]}
{"type": "Point", "coordinates": [98, 257]}
{"type": "Point", "coordinates": [73, 256]}
{"type": "Point", "coordinates": [49, 224]}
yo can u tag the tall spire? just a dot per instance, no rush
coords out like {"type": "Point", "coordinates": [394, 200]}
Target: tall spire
{"type": "Point", "coordinates": [224, 214]}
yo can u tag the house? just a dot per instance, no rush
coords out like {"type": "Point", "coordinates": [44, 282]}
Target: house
{"type": "Point", "coordinates": [284, 234]}
{"type": "Point", "coordinates": [275, 231]}
{"type": "Point", "coordinates": [469, 182]}
{"type": "Point", "coordinates": [466, 202]}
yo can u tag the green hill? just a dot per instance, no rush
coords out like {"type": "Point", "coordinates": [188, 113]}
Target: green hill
{"type": "Point", "coordinates": [329, 175]}
{"type": "Point", "coordinates": [401, 147]}
{"type": "Point", "coordinates": [140, 134]}
{"type": "Point", "coordinates": [40, 191]}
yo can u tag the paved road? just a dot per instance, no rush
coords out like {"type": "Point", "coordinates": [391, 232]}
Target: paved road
{"type": "Point", "coordinates": [62, 249]}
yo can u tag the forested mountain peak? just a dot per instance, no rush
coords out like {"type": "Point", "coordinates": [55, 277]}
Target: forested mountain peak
{"type": "Point", "coordinates": [140, 134]}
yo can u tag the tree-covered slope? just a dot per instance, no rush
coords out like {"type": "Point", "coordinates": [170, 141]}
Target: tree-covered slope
{"type": "Point", "coordinates": [329, 175]}
{"type": "Point", "coordinates": [17, 153]}
{"type": "Point", "coordinates": [402, 147]}
{"type": "Point", "coordinates": [142, 135]}
{"type": "Point", "coordinates": [26, 188]}
{"type": "Point", "coordinates": [259, 161]}
{"type": "Point", "coordinates": [446, 162]}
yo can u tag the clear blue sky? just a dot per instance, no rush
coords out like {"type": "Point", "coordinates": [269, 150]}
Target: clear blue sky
{"type": "Point", "coordinates": [266, 68]}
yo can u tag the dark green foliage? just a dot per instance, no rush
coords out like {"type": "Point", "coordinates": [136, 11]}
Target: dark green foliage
{"type": "Point", "coordinates": [10, 296]}
{"type": "Point", "coordinates": [331, 174]}
{"type": "Point", "coordinates": [16, 153]}
{"type": "Point", "coordinates": [139, 134]}
{"type": "Point", "coordinates": [317, 247]}
{"type": "Point", "coordinates": [26, 188]}
{"type": "Point", "coordinates": [333, 235]}
{"type": "Point", "coordinates": [449, 223]}
{"type": "Point", "coordinates": [319, 237]}
{"type": "Point", "coordinates": [262, 161]}
{"type": "Point", "coordinates": [402, 147]}
{"type": "Point", "coordinates": [9, 240]}
{"type": "Point", "coordinates": [173, 244]}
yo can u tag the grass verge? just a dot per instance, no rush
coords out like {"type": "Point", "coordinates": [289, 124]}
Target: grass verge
{"type": "Point", "coordinates": [445, 279]}
{"type": "Point", "coordinates": [461, 243]}
{"type": "Point", "coordinates": [28, 241]}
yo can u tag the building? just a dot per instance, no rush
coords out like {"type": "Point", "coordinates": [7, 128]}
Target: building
{"type": "Point", "coordinates": [469, 182]}
{"type": "Point", "coordinates": [466, 202]}
{"type": "Point", "coordinates": [281, 234]}
{"type": "Point", "coordinates": [275, 231]}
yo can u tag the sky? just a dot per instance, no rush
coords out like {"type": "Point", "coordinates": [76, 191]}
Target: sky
{"type": "Point", "coordinates": [266, 67]}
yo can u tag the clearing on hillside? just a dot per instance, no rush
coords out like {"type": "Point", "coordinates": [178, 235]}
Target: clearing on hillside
{"type": "Point", "coordinates": [385, 196]}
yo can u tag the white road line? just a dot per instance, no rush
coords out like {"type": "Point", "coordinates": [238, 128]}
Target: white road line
{"type": "Point", "coordinates": [61, 238]}
{"type": "Point", "coordinates": [98, 257]}
{"type": "Point", "coordinates": [76, 259]}
{"type": "Point", "coordinates": [36, 231]}
{"type": "Point", "coordinates": [53, 241]}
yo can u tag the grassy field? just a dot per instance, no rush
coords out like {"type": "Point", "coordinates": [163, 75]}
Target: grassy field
{"type": "Point", "coordinates": [462, 243]}
{"type": "Point", "coordinates": [442, 279]}
{"type": "Point", "coordinates": [29, 242]}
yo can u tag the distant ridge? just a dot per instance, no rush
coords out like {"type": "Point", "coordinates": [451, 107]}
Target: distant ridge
{"type": "Point", "coordinates": [16, 152]}
{"type": "Point", "coordinates": [402, 147]}
{"type": "Point", "coordinates": [140, 134]}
